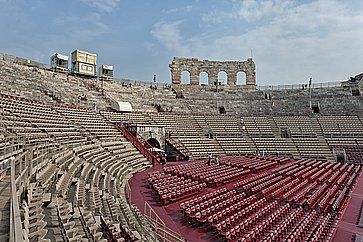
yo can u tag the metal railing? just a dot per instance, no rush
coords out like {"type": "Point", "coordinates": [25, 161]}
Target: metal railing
{"type": "Point", "coordinates": [138, 142]}
{"type": "Point", "coordinates": [301, 86]}
{"type": "Point", "coordinates": [18, 179]}
{"type": "Point", "coordinates": [161, 230]}
{"type": "Point", "coordinates": [128, 192]}
{"type": "Point", "coordinates": [22, 61]}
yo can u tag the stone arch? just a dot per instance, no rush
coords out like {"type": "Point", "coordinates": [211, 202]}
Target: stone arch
{"type": "Point", "coordinates": [203, 78]}
{"type": "Point", "coordinates": [241, 78]}
{"type": "Point", "coordinates": [185, 77]}
{"type": "Point", "coordinates": [195, 66]}
{"type": "Point", "coordinates": [154, 143]}
{"type": "Point", "coordinates": [223, 77]}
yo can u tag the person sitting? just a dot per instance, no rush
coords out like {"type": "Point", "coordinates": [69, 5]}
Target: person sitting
{"type": "Point", "coordinates": [210, 159]}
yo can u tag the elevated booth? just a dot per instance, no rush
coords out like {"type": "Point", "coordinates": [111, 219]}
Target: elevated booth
{"type": "Point", "coordinates": [106, 73]}
{"type": "Point", "coordinates": [84, 63]}
{"type": "Point", "coordinates": [59, 62]}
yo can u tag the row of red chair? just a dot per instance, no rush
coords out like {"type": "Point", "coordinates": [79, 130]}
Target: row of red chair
{"type": "Point", "coordinates": [294, 190]}
{"type": "Point", "coordinates": [281, 168]}
{"type": "Point", "coordinates": [300, 232]}
{"type": "Point", "coordinates": [166, 188]}
{"type": "Point", "coordinates": [337, 202]}
{"type": "Point", "coordinates": [295, 171]}
{"type": "Point", "coordinates": [250, 179]}
{"type": "Point", "coordinates": [257, 182]}
{"type": "Point", "coordinates": [301, 197]}
{"type": "Point", "coordinates": [254, 221]}
{"type": "Point", "coordinates": [253, 209]}
{"type": "Point", "coordinates": [172, 188]}
{"type": "Point", "coordinates": [233, 203]}
{"type": "Point", "coordinates": [176, 195]}
{"type": "Point", "coordinates": [247, 217]}
{"type": "Point", "coordinates": [285, 227]}
{"type": "Point", "coordinates": [206, 197]}
{"type": "Point", "coordinates": [305, 173]}
{"type": "Point", "coordinates": [267, 222]}
{"type": "Point", "coordinates": [324, 202]}
{"type": "Point", "coordinates": [279, 192]}
{"type": "Point", "coordinates": [213, 175]}
{"type": "Point", "coordinates": [319, 173]}
{"type": "Point", "coordinates": [233, 210]}
{"type": "Point", "coordinates": [317, 195]}
{"type": "Point", "coordinates": [193, 208]}
{"type": "Point", "coordinates": [206, 212]}
{"type": "Point", "coordinates": [265, 184]}
{"type": "Point", "coordinates": [273, 188]}
{"type": "Point", "coordinates": [322, 229]}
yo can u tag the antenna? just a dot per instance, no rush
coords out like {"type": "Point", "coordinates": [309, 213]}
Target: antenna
{"type": "Point", "coordinates": [251, 54]}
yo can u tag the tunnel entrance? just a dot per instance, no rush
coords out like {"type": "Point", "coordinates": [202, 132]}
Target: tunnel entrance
{"type": "Point", "coordinates": [154, 143]}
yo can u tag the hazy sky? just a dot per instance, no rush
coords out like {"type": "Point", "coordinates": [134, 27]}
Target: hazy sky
{"type": "Point", "coordinates": [291, 40]}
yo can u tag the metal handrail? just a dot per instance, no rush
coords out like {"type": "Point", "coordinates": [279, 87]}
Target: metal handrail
{"type": "Point", "coordinates": [165, 233]}
{"type": "Point", "coordinates": [299, 86]}
{"type": "Point", "coordinates": [16, 228]}
{"type": "Point", "coordinates": [139, 143]}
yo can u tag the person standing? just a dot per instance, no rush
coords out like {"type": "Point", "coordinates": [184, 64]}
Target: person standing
{"type": "Point", "coordinates": [165, 157]}
{"type": "Point", "coordinates": [210, 159]}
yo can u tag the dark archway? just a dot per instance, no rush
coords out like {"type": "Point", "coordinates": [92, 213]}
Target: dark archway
{"type": "Point", "coordinates": [154, 143]}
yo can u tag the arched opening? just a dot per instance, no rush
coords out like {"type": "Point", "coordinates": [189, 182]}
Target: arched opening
{"type": "Point", "coordinates": [185, 77]}
{"type": "Point", "coordinates": [241, 78]}
{"type": "Point", "coordinates": [203, 78]}
{"type": "Point", "coordinates": [154, 143]}
{"type": "Point", "coordinates": [222, 77]}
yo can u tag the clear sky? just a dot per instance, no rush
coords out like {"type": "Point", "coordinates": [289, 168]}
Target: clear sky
{"type": "Point", "coordinates": [291, 40]}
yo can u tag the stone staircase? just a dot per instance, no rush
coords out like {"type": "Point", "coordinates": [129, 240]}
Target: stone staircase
{"type": "Point", "coordinates": [322, 141]}
{"type": "Point", "coordinates": [178, 146]}
{"type": "Point", "coordinates": [294, 149]}
{"type": "Point", "coordinates": [274, 128]}
{"type": "Point", "coordinates": [250, 142]}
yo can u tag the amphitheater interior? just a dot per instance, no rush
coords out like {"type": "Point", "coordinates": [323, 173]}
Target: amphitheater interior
{"type": "Point", "coordinates": [271, 164]}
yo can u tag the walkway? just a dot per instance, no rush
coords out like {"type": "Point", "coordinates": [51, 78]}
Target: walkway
{"type": "Point", "coordinates": [347, 225]}
{"type": "Point", "coordinates": [5, 190]}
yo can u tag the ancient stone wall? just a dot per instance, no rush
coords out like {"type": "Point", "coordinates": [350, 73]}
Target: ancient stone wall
{"type": "Point", "coordinates": [212, 68]}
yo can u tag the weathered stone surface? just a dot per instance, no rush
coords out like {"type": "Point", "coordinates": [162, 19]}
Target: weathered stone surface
{"type": "Point", "coordinates": [195, 67]}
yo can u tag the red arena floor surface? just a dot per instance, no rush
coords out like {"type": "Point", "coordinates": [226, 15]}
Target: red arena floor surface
{"type": "Point", "coordinates": [174, 219]}
{"type": "Point", "coordinates": [346, 227]}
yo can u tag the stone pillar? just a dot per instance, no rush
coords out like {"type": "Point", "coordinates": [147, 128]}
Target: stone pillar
{"type": "Point", "coordinates": [250, 72]}
{"type": "Point", "coordinates": [212, 77]}
{"type": "Point", "coordinates": [194, 77]}
{"type": "Point", "coordinates": [250, 78]}
{"type": "Point", "coordinates": [232, 78]}
{"type": "Point", "coordinates": [176, 77]}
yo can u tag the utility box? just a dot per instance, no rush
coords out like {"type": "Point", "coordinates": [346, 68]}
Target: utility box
{"type": "Point", "coordinates": [59, 62]}
{"type": "Point", "coordinates": [106, 73]}
{"type": "Point", "coordinates": [84, 63]}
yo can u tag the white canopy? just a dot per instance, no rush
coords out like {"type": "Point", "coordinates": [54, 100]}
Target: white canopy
{"type": "Point", "coordinates": [107, 67]}
{"type": "Point", "coordinates": [121, 106]}
{"type": "Point", "coordinates": [156, 149]}
{"type": "Point", "coordinates": [62, 57]}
